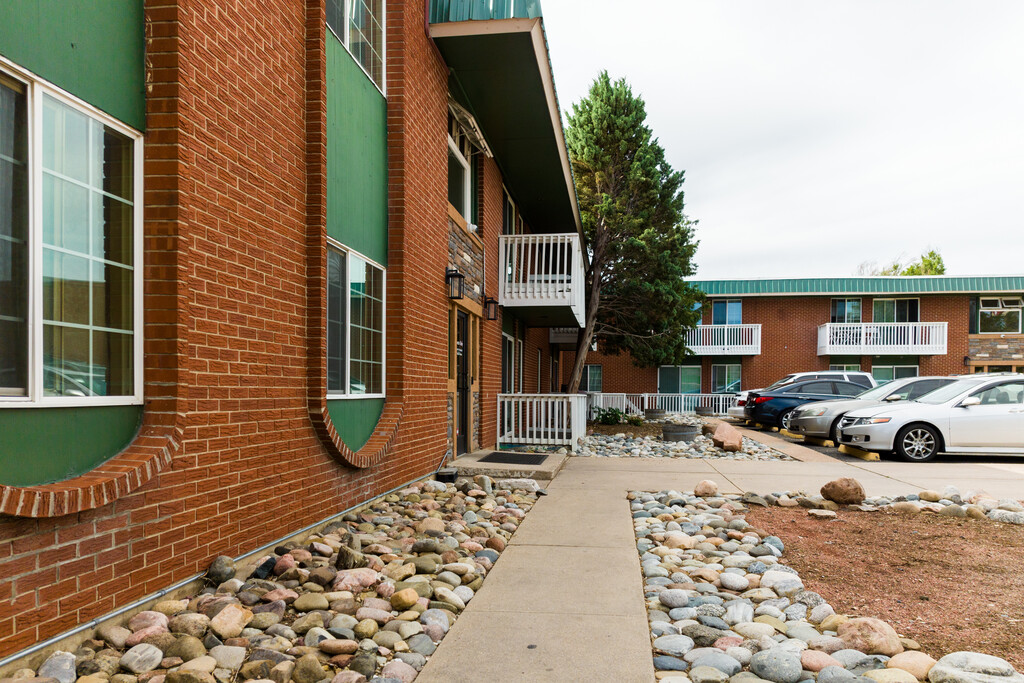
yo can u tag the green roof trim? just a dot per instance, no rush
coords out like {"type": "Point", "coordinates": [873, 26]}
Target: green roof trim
{"type": "Point", "coordinates": [940, 284]}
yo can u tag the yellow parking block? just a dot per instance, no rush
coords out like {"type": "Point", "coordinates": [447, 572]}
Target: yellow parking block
{"type": "Point", "coordinates": [858, 453]}
{"type": "Point", "coordinates": [818, 441]}
{"type": "Point", "coordinates": [785, 432]}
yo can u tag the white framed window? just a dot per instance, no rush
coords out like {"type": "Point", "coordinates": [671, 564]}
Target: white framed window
{"type": "Point", "coordinates": [679, 379]}
{"type": "Point", "coordinates": [895, 311]}
{"type": "Point", "coordinates": [1000, 315]}
{"type": "Point", "coordinates": [845, 311]}
{"type": "Point", "coordinates": [727, 312]}
{"type": "Point", "coordinates": [355, 324]}
{"type": "Point", "coordinates": [845, 367]}
{"type": "Point", "coordinates": [887, 373]}
{"type": "Point", "coordinates": [725, 379]}
{"type": "Point", "coordinates": [459, 185]}
{"type": "Point", "coordinates": [70, 249]}
{"type": "Point", "coordinates": [360, 26]}
{"type": "Point", "coordinates": [593, 378]}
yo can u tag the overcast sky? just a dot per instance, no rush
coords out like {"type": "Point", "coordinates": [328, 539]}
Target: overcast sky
{"type": "Point", "coordinates": [817, 135]}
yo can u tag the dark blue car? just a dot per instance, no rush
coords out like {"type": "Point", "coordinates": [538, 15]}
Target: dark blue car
{"type": "Point", "coordinates": [774, 408]}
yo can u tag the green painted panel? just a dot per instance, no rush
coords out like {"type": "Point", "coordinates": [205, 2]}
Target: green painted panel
{"type": "Point", "coordinates": [94, 49]}
{"type": "Point", "coordinates": [355, 419]}
{"type": "Point", "coordinates": [945, 284]}
{"type": "Point", "coordinates": [443, 11]}
{"type": "Point", "coordinates": [357, 156]}
{"type": "Point", "coordinates": [44, 445]}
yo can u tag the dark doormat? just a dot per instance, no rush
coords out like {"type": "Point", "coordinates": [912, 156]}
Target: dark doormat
{"type": "Point", "coordinates": [515, 458]}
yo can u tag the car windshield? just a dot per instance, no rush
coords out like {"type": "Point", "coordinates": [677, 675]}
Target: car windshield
{"type": "Point", "coordinates": [785, 380]}
{"type": "Point", "coordinates": [879, 392]}
{"type": "Point", "coordinates": [943, 394]}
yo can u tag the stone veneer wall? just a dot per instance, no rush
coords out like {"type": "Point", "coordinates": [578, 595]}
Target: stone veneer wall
{"type": "Point", "coordinates": [466, 254]}
{"type": "Point", "coordinates": [993, 348]}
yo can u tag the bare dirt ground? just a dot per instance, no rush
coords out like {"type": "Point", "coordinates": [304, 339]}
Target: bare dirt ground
{"type": "Point", "coordinates": [950, 584]}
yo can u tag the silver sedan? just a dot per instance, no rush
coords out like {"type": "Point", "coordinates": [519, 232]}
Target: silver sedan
{"type": "Point", "coordinates": [976, 415]}
{"type": "Point", "coordinates": [821, 419]}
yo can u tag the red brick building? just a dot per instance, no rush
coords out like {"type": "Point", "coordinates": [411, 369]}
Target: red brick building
{"type": "Point", "coordinates": [254, 253]}
{"type": "Point", "coordinates": [755, 331]}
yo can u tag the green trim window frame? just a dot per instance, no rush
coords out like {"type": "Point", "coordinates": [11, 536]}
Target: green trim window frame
{"type": "Point", "coordinates": [593, 379]}
{"type": "Point", "coordinates": [356, 323]}
{"type": "Point", "coordinates": [845, 311]}
{"type": "Point", "coordinates": [1000, 315]}
{"type": "Point", "coordinates": [70, 249]}
{"type": "Point", "coordinates": [896, 310]}
{"type": "Point", "coordinates": [361, 27]}
{"type": "Point", "coordinates": [679, 379]}
{"type": "Point", "coordinates": [725, 379]}
{"type": "Point", "coordinates": [887, 373]}
{"type": "Point", "coordinates": [727, 312]}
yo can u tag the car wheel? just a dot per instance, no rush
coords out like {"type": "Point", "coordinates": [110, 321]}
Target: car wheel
{"type": "Point", "coordinates": [833, 431]}
{"type": "Point", "coordinates": [786, 419]}
{"type": "Point", "coordinates": [917, 443]}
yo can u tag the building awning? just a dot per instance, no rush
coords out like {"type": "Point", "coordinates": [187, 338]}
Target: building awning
{"type": "Point", "coordinates": [870, 285]}
{"type": "Point", "coordinates": [500, 72]}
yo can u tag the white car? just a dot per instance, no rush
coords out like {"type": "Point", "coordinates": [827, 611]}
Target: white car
{"type": "Point", "coordinates": [973, 415]}
{"type": "Point", "coordinates": [863, 378]}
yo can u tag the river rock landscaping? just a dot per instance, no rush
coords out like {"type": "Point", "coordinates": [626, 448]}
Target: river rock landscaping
{"type": "Point", "coordinates": [722, 607]}
{"type": "Point", "coordinates": [703, 446]}
{"type": "Point", "coordinates": [367, 597]}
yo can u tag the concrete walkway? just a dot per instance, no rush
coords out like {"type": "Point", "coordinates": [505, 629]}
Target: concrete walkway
{"type": "Point", "coordinates": [565, 600]}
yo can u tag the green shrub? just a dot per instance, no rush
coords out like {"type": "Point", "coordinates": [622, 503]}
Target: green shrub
{"type": "Point", "coordinates": [634, 420]}
{"type": "Point", "coordinates": [608, 416]}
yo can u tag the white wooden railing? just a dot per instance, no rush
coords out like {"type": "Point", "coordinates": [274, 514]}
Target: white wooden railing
{"type": "Point", "coordinates": [687, 404]}
{"type": "Point", "coordinates": [542, 270]}
{"type": "Point", "coordinates": [882, 338]}
{"type": "Point", "coordinates": [542, 419]}
{"type": "Point", "coordinates": [724, 340]}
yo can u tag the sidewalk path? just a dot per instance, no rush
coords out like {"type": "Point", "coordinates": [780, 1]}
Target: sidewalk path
{"type": "Point", "coordinates": [565, 600]}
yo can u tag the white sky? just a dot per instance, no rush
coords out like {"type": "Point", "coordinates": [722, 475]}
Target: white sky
{"type": "Point", "coordinates": [817, 135]}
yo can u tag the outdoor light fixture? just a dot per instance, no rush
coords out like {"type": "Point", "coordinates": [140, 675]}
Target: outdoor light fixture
{"type": "Point", "coordinates": [491, 308]}
{"type": "Point", "coordinates": [456, 283]}
{"type": "Point", "coordinates": [967, 360]}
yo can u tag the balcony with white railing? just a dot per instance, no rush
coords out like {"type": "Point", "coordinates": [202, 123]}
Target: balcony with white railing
{"type": "Point", "coordinates": [725, 340]}
{"type": "Point", "coordinates": [542, 419]}
{"type": "Point", "coordinates": [685, 404]}
{"type": "Point", "coordinates": [878, 339]}
{"type": "Point", "coordinates": [542, 277]}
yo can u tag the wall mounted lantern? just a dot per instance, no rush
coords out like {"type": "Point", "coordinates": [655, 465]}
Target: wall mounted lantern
{"type": "Point", "coordinates": [456, 282]}
{"type": "Point", "coordinates": [491, 308]}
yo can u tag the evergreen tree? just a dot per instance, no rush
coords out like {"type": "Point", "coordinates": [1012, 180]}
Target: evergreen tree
{"type": "Point", "coordinates": [640, 242]}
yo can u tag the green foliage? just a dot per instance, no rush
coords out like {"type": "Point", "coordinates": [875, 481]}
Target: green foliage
{"type": "Point", "coordinates": [635, 420]}
{"type": "Point", "coordinates": [608, 416]}
{"type": "Point", "coordinates": [641, 244]}
{"type": "Point", "coordinates": [929, 263]}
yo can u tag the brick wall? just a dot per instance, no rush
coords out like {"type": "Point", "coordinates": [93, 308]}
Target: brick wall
{"type": "Point", "coordinates": [234, 183]}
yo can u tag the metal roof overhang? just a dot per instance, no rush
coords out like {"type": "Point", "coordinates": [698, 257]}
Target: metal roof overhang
{"type": "Point", "coordinates": [872, 285]}
{"type": "Point", "coordinates": [502, 74]}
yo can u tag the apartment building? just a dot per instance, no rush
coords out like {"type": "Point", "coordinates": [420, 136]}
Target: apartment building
{"type": "Point", "coordinates": [755, 331]}
{"type": "Point", "coordinates": [259, 262]}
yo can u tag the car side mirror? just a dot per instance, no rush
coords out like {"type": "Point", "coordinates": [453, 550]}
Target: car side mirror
{"type": "Point", "coordinates": [893, 397]}
{"type": "Point", "coordinates": [970, 401]}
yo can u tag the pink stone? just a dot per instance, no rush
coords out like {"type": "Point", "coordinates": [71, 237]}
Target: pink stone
{"type": "Point", "coordinates": [385, 589]}
{"type": "Point", "coordinates": [434, 632]}
{"type": "Point", "coordinates": [287, 595]}
{"type": "Point", "coordinates": [471, 546]}
{"type": "Point", "coordinates": [284, 563]}
{"type": "Point", "coordinates": [706, 489]}
{"type": "Point", "coordinates": [814, 660]}
{"type": "Point", "coordinates": [146, 619]}
{"type": "Point", "coordinates": [378, 615]}
{"type": "Point", "coordinates": [349, 677]}
{"type": "Point", "coordinates": [230, 621]}
{"type": "Point", "coordinates": [140, 635]}
{"type": "Point", "coordinates": [396, 668]}
{"type": "Point", "coordinates": [725, 642]}
{"type": "Point", "coordinates": [321, 549]}
{"type": "Point", "coordinates": [301, 555]}
{"type": "Point", "coordinates": [377, 603]}
{"type": "Point", "coordinates": [355, 579]}
{"type": "Point", "coordinates": [334, 646]}
{"type": "Point", "coordinates": [727, 438]}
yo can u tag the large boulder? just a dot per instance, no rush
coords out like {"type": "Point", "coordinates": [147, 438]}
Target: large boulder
{"type": "Point", "coordinates": [870, 636]}
{"type": "Point", "coordinates": [844, 491]}
{"type": "Point", "coordinates": [728, 438]}
{"type": "Point", "coordinates": [973, 667]}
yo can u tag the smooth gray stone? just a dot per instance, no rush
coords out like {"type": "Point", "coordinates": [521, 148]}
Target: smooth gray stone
{"type": "Point", "coordinates": [676, 645]}
{"type": "Point", "coordinates": [667, 663]}
{"type": "Point", "coordinates": [834, 674]}
{"type": "Point", "coordinates": [60, 665]}
{"type": "Point", "coordinates": [973, 667]}
{"type": "Point", "coordinates": [849, 657]}
{"type": "Point", "coordinates": [707, 674]}
{"type": "Point", "coordinates": [142, 658]}
{"type": "Point", "coordinates": [720, 661]}
{"type": "Point", "coordinates": [776, 665]}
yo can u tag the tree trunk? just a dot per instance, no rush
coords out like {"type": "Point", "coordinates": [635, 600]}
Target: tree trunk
{"type": "Point", "coordinates": [586, 335]}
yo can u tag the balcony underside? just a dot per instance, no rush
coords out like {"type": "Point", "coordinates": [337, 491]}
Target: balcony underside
{"type": "Point", "coordinates": [868, 350]}
{"type": "Point", "coordinates": [726, 350]}
{"type": "Point", "coordinates": [548, 315]}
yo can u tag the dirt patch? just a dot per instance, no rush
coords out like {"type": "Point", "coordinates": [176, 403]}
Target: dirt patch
{"type": "Point", "coordinates": [950, 584]}
{"type": "Point", "coordinates": [629, 430]}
